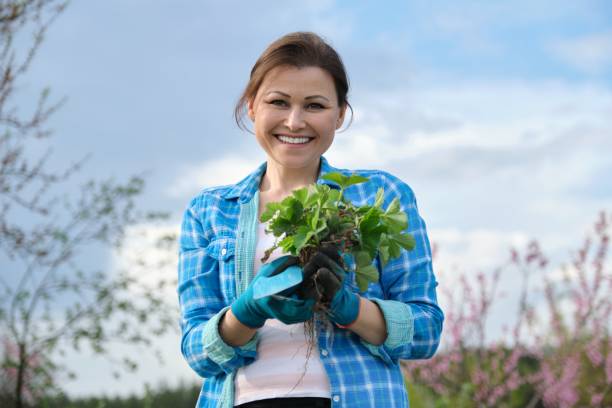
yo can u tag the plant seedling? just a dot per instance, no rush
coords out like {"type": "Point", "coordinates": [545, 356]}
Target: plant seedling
{"type": "Point", "coordinates": [318, 215]}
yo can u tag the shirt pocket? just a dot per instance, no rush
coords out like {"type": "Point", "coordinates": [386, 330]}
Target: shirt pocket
{"type": "Point", "coordinates": [223, 250]}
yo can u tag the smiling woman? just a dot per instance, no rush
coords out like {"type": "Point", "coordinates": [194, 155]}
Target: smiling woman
{"type": "Point", "coordinates": [253, 351]}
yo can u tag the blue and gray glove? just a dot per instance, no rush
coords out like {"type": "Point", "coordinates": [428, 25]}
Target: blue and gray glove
{"type": "Point", "coordinates": [289, 309]}
{"type": "Point", "coordinates": [324, 281]}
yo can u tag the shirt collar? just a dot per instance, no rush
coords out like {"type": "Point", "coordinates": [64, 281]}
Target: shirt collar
{"type": "Point", "coordinates": [246, 188]}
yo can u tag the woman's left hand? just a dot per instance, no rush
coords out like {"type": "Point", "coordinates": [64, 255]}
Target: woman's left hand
{"type": "Point", "coordinates": [324, 277]}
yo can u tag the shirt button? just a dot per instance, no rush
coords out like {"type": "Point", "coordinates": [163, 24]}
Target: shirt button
{"type": "Point", "coordinates": [324, 353]}
{"type": "Point", "coordinates": [223, 251]}
{"type": "Point", "coordinates": [336, 398]}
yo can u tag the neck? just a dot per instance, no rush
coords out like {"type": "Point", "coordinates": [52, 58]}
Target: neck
{"type": "Point", "coordinates": [281, 181]}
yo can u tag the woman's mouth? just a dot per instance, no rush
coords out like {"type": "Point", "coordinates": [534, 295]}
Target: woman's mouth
{"type": "Point", "coordinates": [294, 140]}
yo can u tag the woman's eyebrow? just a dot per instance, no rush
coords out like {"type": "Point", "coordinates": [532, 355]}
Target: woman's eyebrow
{"type": "Point", "coordinates": [317, 96]}
{"type": "Point", "coordinates": [308, 97]}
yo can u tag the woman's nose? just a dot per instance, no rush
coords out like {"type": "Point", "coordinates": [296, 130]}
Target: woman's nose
{"type": "Point", "coordinates": [295, 119]}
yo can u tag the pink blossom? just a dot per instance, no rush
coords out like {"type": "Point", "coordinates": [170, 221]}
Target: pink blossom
{"type": "Point", "coordinates": [594, 353]}
{"type": "Point", "coordinates": [596, 399]}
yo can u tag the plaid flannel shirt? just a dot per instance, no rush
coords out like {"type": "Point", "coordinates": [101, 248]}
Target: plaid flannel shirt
{"type": "Point", "coordinates": [217, 248]}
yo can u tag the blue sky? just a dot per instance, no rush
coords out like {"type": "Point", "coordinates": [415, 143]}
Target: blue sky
{"type": "Point", "coordinates": [498, 114]}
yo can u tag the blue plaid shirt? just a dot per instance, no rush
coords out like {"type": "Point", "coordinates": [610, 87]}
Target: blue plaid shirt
{"type": "Point", "coordinates": [217, 248]}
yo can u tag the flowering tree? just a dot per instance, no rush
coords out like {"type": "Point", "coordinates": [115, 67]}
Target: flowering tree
{"type": "Point", "coordinates": [53, 298]}
{"type": "Point", "coordinates": [558, 353]}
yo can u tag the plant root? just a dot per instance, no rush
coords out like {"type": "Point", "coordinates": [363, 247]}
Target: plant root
{"type": "Point", "coordinates": [322, 312]}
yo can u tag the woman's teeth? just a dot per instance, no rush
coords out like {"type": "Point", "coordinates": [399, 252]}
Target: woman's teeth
{"type": "Point", "coordinates": [294, 140]}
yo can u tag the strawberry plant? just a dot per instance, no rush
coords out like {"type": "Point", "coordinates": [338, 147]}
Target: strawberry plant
{"type": "Point", "coordinates": [317, 216]}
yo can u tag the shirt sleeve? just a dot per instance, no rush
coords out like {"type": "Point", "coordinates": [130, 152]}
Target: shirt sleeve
{"type": "Point", "coordinates": [410, 308]}
{"type": "Point", "coordinates": [202, 305]}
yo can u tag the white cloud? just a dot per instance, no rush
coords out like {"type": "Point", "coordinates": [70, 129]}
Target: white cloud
{"type": "Point", "coordinates": [142, 259]}
{"type": "Point", "coordinates": [591, 54]}
{"type": "Point", "coordinates": [476, 250]}
{"type": "Point", "coordinates": [223, 170]}
{"type": "Point", "coordinates": [94, 373]}
{"type": "Point", "coordinates": [147, 259]}
{"type": "Point", "coordinates": [474, 27]}
{"type": "Point", "coordinates": [517, 122]}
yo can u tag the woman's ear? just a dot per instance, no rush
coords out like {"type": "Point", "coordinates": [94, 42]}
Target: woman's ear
{"type": "Point", "coordinates": [340, 120]}
{"type": "Point", "coordinates": [250, 108]}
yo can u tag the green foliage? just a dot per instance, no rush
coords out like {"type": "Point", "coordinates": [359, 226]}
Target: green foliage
{"type": "Point", "coordinates": [180, 396]}
{"type": "Point", "coordinates": [418, 395]}
{"type": "Point", "coordinates": [316, 215]}
{"type": "Point", "coordinates": [459, 380]}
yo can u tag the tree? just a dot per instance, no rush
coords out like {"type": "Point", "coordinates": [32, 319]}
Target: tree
{"type": "Point", "coordinates": [558, 352]}
{"type": "Point", "coordinates": [51, 301]}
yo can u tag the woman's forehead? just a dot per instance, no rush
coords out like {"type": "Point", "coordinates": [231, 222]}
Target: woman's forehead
{"type": "Point", "coordinates": [303, 82]}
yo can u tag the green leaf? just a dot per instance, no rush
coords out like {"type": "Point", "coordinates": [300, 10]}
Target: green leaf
{"type": "Point", "coordinates": [293, 209]}
{"type": "Point", "coordinates": [368, 222]}
{"type": "Point", "coordinates": [355, 179]}
{"type": "Point", "coordinates": [281, 226]}
{"type": "Point", "coordinates": [345, 226]}
{"type": "Point", "coordinates": [364, 210]}
{"type": "Point", "coordinates": [405, 240]}
{"type": "Point", "coordinates": [383, 249]}
{"type": "Point", "coordinates": [362, 258]}
{"type": "Point", "coordinates": [362, 282]}
{"type": "Point", "coordinates": [364, 275]}
{"type": "Point", "coordinates": [287, 243]}
{"type": "Point", "coordinates": [380, 196]}
{"type": "Point", "coordinates": [314, 191]}
{"type": "Point", "coordinates": [332, 199]}
{"type": "Point", "coordinates": [384, 254]}
{"type": "Point", "coordinates": [301, 195]}
{"type": "Point", "coordinates": [394, 249]}
{"type": "Point", "coordinates": [369, 272]}
{"type": "Point", "coordinates": [336, 177]}
{"type": "Point", "coordinates": [396, 222]}
{"type": "Point", "coordinates": [301, 237]}
{"type": "Point", "coordinates": [315, 218]}
{"type": "Point", "coordinates": [333, 222]}
{"type": "Point", "coordinates": [371, 240]}
{"type": "Point", "coordinates": [269, 212]}
{"type": "Point", "coordinates": [344, 181]}
{"type": "Point", "coordinates": [394, 207]}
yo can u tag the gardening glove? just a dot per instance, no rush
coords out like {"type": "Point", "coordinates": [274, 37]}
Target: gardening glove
{"type": "Point", "coordinates": [254, 312]}
{"type": "Point", "coordinates": [324, 281]}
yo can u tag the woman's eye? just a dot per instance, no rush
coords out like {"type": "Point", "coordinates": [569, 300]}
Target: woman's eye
{"type": "Point", "coordinates": [315, 106]}
{"type": "Point", "coordinates": [277, 102]}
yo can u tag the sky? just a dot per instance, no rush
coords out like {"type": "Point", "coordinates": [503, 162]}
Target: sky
{"type": "Point", "coordinates": [497, 114]}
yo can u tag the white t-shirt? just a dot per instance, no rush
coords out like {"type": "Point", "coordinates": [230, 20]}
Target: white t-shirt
{"type": "Point", "coordinates": [281, 355]}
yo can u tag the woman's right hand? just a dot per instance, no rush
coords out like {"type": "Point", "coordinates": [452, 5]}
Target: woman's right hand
{"type": "Point", "coordinates": [289, 310]}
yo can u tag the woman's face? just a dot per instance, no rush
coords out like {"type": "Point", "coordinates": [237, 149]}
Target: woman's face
{"type": "Point", "coordinates": [295, 114]}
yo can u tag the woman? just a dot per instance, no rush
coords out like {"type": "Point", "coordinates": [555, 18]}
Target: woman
{"type": "Point", "coordinates": [253, 352]}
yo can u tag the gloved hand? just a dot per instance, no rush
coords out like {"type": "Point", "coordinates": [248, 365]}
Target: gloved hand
{"type": "Point", "coordinates": [289, 310]}
{"type": "Point", "coordinates": [325, 268]}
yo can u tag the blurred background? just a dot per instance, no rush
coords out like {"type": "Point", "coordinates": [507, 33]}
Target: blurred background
{"type": "Point", "coordinates": [497, 114]}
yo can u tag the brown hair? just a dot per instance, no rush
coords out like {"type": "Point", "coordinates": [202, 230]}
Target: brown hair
{"type": "Point", "coordinates": [300, 49]}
